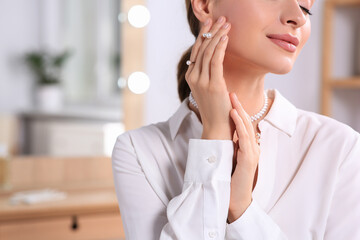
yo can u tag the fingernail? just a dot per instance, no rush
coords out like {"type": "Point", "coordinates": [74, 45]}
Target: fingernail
{"type": "Point", "coordinates": [220, 19]}
{"type": "Point", "coordinates": [207, 22]}
{"type": "Point", "coordinates": [223, 38]}
{"type": "Point", "coordinates": [226, 25]}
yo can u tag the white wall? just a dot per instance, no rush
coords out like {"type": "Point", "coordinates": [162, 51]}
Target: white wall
{"type": "Point", "coordinates": [168, 36]}
{"type": "Point", "coordinates": [18, 34]}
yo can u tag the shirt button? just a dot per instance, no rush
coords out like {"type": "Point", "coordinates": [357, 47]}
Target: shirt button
{"type": "Point", "coordinates": [212, 159]}
{"type": "Point", "coordinates": [212, 234]}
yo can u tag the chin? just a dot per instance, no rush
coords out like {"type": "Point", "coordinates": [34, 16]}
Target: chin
{"type": "Point", "coordinates": [281, 67]}
{"type": "Point", "coordinates": [278, 61]}
{"type": "Point", "coordinates": [264, 62]}
{"type": "Point", "coordinates": [282, 71]}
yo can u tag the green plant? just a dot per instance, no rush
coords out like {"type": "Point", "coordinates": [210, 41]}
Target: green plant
{"type": "Point", "coordinates": [45, 66]}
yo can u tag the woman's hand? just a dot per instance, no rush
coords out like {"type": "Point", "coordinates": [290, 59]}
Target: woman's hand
{"type": "Point", "coordinates": [206, 80]}
{"type": "Point", "coordinates": [247, 153]}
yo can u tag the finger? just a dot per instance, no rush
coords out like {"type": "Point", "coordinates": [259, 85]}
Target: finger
{"type": "Point", "coordinates": [236, 147]}
{"type": "Point", "coordinates": [240, 130]}
{"type": "Point", "coordinates": [217, 68]}
{"type": "Point", "coordinates": [213, 54]}
{"type": "Point", "coordinates": [199, 58]}
{"type": "Point", "coordinates": [244, 116]}
{"type": "Point", "coordinates": [199, 40]}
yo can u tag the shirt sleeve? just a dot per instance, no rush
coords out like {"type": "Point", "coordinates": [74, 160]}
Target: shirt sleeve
{"type": "Point", "coordinates": [254, 224]}
{"type": "Point", "coordinates": [344, 216]}
{"type": "Point", "coordinates": [199, 212]}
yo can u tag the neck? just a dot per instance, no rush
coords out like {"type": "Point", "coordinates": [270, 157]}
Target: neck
{"type": "Point", "coordinates": [247, 82]}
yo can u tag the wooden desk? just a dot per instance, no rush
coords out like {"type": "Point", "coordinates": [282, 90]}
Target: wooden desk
{"type": "Point", "coordinates": [90, 211]}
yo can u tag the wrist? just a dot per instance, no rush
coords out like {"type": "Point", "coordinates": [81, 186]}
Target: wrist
{"type": "Point", "coordinates": [217, 134]}
{"type": "Point", "coordinates": [234, 214]}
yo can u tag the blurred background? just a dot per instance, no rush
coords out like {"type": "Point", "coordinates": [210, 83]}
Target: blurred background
{"type": "Point", "coordinates": [74, 74]}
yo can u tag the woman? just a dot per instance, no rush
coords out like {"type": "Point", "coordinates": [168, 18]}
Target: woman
{"type": "Point", "coordinates": [213, 172]}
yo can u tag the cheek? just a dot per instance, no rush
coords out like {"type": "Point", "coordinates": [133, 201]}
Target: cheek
{"type": "Point", "coordinates": [285, 64]}
{"type": "Point", "coordinates": [306, 32]}
{"type": "Point", "coordinates": [247, 28]}
{"type": "Point", "coordinates": [250, 23]}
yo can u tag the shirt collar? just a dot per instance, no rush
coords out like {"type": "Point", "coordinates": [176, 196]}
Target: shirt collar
{"type": "Point", "coordinates": [282, 115]}
{"type": "Point", "coordinates": [178, 117]}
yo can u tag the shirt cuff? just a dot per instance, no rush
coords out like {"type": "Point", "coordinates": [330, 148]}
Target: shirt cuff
{"type": "Point", "coordinates": [253, 224]}
{"type": "Point", "coordinates": [208, 160]}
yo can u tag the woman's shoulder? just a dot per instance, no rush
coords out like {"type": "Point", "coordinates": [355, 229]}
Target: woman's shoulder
{"type": "Point", "coordinates": [145, 134]}
{"type": "Point", "coordinates": [323, 122]}
{"type": "Point", "coordinates": [327, 127]}
{"type": "Point", "coordinates": [163, 130]}
{"type": "Point", "coordinates": [133, 145]}
{"type": "Point", "coordinates": [333, 140]}
{"type": "Point", "coordinates": [308, 122]}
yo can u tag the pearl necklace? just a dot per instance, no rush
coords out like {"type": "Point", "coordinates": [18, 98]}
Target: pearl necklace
{"type": "Point", "coordinates": [253, 118]}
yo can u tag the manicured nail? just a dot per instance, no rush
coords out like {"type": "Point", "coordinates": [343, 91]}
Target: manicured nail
{"type": "Point", "coordinates": [207, 22]}
{"type": "Point", "coordinates": [226, 25]}
{"type": "Point", "coordinates": [223, 38]}
{"type": "Point", "coordinates": [220, 19]}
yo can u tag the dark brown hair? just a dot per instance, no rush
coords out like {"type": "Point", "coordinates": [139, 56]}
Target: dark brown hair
{"type": "Point", "coordinates": [183, 87]}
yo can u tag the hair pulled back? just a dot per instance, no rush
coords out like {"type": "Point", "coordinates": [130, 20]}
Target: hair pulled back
{"type": "Point", "coordinates": [183, 87]}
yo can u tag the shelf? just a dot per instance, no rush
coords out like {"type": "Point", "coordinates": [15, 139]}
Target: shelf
{"type": "Point", "coordinates": [352, 82]}
{"type": "Point", "coordinates": [330, 83]}
{"type": "Point", "coordinates": [343, 2]}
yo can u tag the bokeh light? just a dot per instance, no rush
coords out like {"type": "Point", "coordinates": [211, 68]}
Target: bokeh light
{"type": "Point", "coordinates": [138, 82]}
{"type": "Point", "coordinates": [139, 16]}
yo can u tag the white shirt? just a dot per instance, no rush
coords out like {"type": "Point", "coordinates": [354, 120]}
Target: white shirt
{"type": "Point", "coordinates": [171, 184]}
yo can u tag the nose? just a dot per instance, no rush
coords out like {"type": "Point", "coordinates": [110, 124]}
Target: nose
{"type": "Point", "coordinates": [292, 14]}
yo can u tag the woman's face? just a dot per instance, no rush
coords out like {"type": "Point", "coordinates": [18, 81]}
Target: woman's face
{"type": "Point", "coordinates": [252, 23]}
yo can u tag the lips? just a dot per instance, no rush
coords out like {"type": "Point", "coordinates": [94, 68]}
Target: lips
{"type": "Point", "coordinates": [285, 41]}
{"type": "Point", "coordinates": [285, 37]}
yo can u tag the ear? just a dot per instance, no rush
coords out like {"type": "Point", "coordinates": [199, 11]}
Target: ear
{"type": "Point", "coordinates": [202, 9]}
